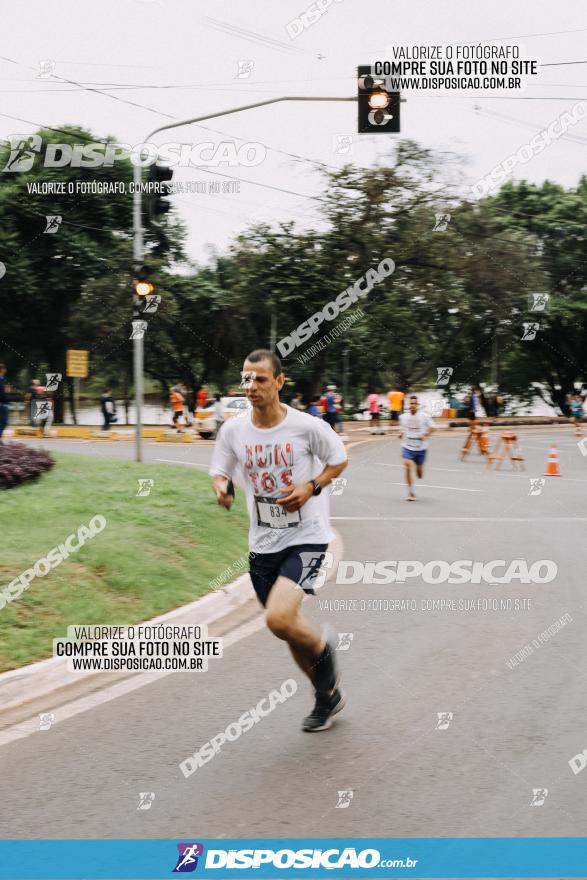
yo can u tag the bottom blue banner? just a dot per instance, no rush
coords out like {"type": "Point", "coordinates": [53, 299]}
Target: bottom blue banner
{"type": "Point", "coordinates": [560, 857]}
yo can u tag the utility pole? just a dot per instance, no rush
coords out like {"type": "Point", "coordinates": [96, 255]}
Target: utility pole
{"type": "Point", "coordinates": [138, 341]}
{"type": "Point", "coordinates": [494, 357]}
{"type": "Point", "coordinates": [345, 377]}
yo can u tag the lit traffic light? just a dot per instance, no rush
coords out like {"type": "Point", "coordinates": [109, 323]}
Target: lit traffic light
{"type": "Point", "coordinates": [378, 107]}
{"type": "Point", "coordinates": [144, 288]}
{"type": "Point", "coordinates": [143, 294]}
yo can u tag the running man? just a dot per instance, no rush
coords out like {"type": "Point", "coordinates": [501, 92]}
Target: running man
{"type": "Point", "coordinates": [285, 459]}
{"type": "Point", "coordinates": [576, 403]}
{"type": "Point", "coordinates": [416, 427]}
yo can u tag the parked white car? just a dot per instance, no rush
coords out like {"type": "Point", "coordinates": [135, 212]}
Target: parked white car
{"type": "Point", "coordinates": [204, 421]}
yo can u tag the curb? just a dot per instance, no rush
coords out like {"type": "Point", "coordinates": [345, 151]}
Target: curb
{"type": "Point", "coordinates": [47, 683]}
{"type": "Point", "coordinates": [28, 684]}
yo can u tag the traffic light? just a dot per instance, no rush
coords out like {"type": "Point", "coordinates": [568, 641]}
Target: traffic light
{"type": "Point", "coordinates": [142, 291]}
{"type": "Point", "coordinates": [378, 106]}
{"type": "Point", "coordinates": [158, 204]}
{"type": "Point", "coordinates": [141, 284]}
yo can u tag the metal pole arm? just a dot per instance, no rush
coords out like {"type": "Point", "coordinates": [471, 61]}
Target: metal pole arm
{"type": "Point", "coordinates": [238, 110]}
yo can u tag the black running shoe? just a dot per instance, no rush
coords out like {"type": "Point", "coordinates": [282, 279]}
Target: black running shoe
{"type": "Point", "coordinates": [325, 674]}
{"type": "Point", "coordinates": [325, 707]}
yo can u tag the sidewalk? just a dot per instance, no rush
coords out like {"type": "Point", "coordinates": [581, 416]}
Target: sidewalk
{"type": "Point", "coordinates": [47, 684]}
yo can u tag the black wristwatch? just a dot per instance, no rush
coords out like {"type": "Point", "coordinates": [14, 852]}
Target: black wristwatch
{"type": "Point", "coordinates": [317, 487]}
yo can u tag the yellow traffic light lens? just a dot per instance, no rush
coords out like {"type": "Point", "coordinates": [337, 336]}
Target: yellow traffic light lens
{"type": "Point", "coordinates": [379, 100]}
{"type": "Point", "coordinates": [144, 288]}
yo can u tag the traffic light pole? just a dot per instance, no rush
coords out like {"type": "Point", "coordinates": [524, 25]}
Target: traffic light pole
{"type": "Point", "coordinates": [138, 340]}
{"type": "Point", "coordinates": [138, 250]}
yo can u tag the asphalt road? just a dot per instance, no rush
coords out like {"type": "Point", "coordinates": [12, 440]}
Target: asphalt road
{"type": "Point", "coordinates": [512, 730]}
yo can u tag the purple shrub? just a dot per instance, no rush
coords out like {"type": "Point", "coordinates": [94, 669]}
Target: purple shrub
{"type": "Point", "coordinates": [19, 463]}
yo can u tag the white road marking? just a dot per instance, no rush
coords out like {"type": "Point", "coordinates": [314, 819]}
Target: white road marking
{"type": "Point", "coordinates": [428, 468]}
{"type": "Point", "coordinates": [417, 519]}
{"type": "Point", "coordinates": [179, 461]}
{"type": "Point", "coordinates": [432, 486]}
{"type": "Point", "coordinates": [482, 474]}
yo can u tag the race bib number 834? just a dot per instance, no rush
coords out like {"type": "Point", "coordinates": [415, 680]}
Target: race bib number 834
{"type": "Point", "coordinates": [274, 516]}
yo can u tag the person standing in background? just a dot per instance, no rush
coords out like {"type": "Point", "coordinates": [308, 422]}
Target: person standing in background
{"type": "Point", "coordinates": [44, 410]}
{"type": "Point", "coordinates": [4, 400]}
{"type": "Point", "coordinates": [373, 408]}
{"type": "Point", "coordinates": [177, 401]}
{"type": "Point", "coordinates": [218, 412]}
{"type": "Point", "coordinates": [477, 402]}
{"type": "Point", "coordinates": [395, 399]}
{"type": "Point", "coordinates": [201, 397]}
{"type": "Point", "coordinates": [338, 426]}
{"type": "Point", "coordinates": [30, 399]}
{"type": "Point", "coordinates": [107, 407]}
{"type": "Point", "coordinates": [297, 401]}
{"type": "Point", "coordinates": [469, 406]}
{"type": "Point", "coordinates": [330, 415]}
{"type": "Point", "coordinates": [187, 405]}
{"type": "Point", "coordinates": [314, 408]}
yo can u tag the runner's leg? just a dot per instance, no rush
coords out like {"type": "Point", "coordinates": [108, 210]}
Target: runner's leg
{"type": "Point", "coordinates": [408, 465]}
{"type": "Point", "coordinates": [285, 620]}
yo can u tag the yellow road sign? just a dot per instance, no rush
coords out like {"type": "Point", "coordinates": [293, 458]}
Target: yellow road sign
{"type": "Point", "coordinates": [77, 363]}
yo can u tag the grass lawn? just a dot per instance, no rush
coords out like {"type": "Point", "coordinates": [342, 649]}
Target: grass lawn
{"type": "Point", "coordinates": [156, 552]}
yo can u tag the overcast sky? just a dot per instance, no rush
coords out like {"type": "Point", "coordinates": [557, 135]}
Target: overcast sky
{"type": "Point", "coordinates": [180, 59]}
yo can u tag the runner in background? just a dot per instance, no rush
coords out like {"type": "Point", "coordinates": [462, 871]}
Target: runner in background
{"type": "Point", "coordinates": [576, 405]}
{"type": "Point", "coordinates": [416, 427]}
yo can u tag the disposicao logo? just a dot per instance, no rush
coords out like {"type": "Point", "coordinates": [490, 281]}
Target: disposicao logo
{"type": "Point", "coordinates": [187, 860]}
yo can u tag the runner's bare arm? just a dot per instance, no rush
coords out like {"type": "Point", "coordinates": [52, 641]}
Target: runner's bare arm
{"type": "Point", "coordinates": [220, 485]}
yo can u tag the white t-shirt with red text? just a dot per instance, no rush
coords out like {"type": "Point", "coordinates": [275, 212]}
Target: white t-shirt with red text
{"type": "Point", "coordinates": [265, 461]}
{"type": "Point", "coordinates": [414, 427]}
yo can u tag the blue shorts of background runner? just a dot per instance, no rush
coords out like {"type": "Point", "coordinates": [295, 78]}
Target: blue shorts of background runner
{"type": "Point", "coordinates": [417, 455]}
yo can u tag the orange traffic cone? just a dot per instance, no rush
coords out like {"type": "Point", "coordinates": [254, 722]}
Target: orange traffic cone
{"type": "Point", "coordinates": [552, 468]}
{"type": "Point", "coordinates": [578, 431]}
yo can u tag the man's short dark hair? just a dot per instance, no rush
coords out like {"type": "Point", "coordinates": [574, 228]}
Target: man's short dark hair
{"type": "Point", "coordinates": [413, 396]}
{"type": "Point", "coordinates": [2, 366]}
{"type": "Point", "coordinates": [263, 354]}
